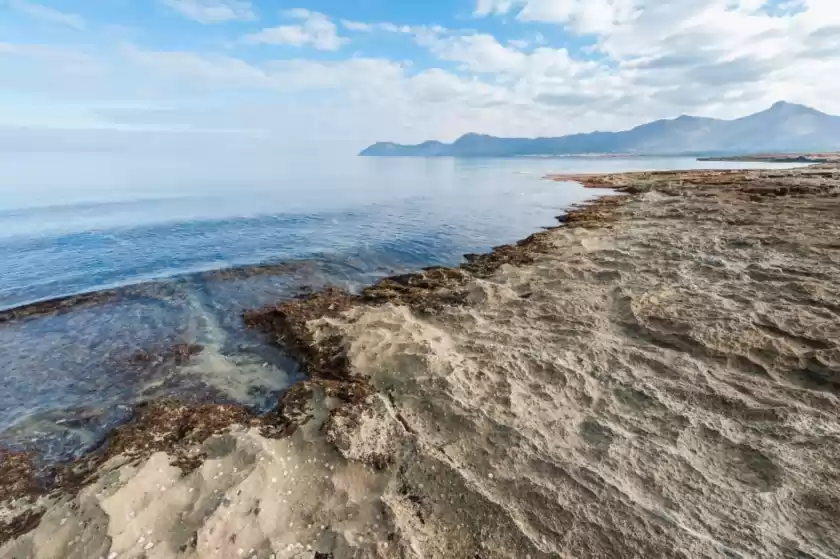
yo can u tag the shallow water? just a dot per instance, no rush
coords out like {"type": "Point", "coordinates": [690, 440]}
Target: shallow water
{"type": "Point", "coordinates": [108, 222]}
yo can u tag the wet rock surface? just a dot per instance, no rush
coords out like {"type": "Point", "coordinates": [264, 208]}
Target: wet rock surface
{"type": "Point", "coordinates": [640, 382]}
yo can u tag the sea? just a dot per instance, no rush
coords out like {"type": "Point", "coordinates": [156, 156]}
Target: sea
{"type": "Point", "coordinates": [185, 244]}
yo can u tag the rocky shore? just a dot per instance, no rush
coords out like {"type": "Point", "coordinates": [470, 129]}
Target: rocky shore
{"type": "Point", "coordinates": [658, 376]}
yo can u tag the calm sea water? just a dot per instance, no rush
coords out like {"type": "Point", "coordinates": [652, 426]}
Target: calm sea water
{"type": "Point", "coordinates": [85, 222]}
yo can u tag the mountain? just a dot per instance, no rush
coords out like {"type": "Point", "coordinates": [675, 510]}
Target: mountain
{"type": "Point", "coordinates": [784, 127]}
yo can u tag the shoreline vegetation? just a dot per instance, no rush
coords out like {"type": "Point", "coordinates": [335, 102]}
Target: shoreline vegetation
{"type": "Point", "coordinates": [657, 376]}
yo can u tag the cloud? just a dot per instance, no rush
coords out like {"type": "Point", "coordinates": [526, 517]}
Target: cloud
{"type": "Point", "coordinates": [316, 30]}
{"type": "Point", "coordinates": [298, 13]}
{"type": "Point", "coordinates": [223, 70]}
{"type": "Point", "coordinates": [49, 15]}
{"type": "Point", "coordinates": [60, 71]}
{"type": "Point", "coordinates": [43, 52]}
{"type": "Point", "coordinates": [565, 99]}
{"type": "Point", "coordinates": [591, 16]}
{"type": "Point", "coordinates": [487, 7]}
{"type": "Point", "coordinates": [358, 26]}
{"type": "Point", "coordinates": [386, 27]}
{"type": "Point", "coordinates": [213, 11]}
{"type": "Point", "coordinates": [478, 53]}
{"type": "Point", "coordinates": [482, 53]}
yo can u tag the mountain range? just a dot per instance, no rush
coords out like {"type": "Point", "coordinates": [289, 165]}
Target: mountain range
{"type": "Point", "coordinates": [784, 127]}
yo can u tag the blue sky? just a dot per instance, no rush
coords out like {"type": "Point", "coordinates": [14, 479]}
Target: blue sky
{"type": "Point", "coordinates": [338, 75]}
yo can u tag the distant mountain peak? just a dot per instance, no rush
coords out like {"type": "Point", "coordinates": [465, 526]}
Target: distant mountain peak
{"type": "Point", "coordinates": [785, 106]}
{"type": "Point", "coordinates": [472, 136]}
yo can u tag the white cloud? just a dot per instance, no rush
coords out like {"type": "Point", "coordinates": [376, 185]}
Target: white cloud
{"type": "Point", "coordinates": [355, 76]}
{"type": "Point", "coordinates": [54, 65]}
{"type": "Point", "coordinates": [478, 53]}
{"type": "Point", "coordinates": [592, 16]}
{"type": "Point", "coordinates": [315, 30]}
{"type": "Point", "coordinates": [439, 86]}
{"type": "Point", "coordinates": [387, 27]}
{"type": "Point", "coordinates": [298, 13]}
{"type": "Point", "coordinates": [207, 71]}
{"type": "Point", "coordinates": [223, 70]}
{"type": "Point", "coordinates": [358, 26]}
{"type": "Point", "coordinates": [487, 7]}
{"type": "Point", "coordinates": [213, 11]}
{"type": "Point", "coordinates": [32, 71]}
{"type": "Point", "coordinates": [483, 54]}
{"type": "Point", "coordinates": [50, 15]}
{"type": "Point", "coordinates": [43, 52]}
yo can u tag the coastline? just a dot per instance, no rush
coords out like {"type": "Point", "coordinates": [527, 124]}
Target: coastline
{"type": "Point", "coordinates": [434, 394]}
{"type": "Point", "coordinates": [817, 158]}
{"type": "Point", "coordinates": [179, 429]}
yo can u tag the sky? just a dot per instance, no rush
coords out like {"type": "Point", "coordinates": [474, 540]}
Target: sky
{"type": "Point", "coordinates": [337, 75]}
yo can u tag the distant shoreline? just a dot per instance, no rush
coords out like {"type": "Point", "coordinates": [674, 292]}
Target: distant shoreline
{"type": "Point", "coordinates": [779, 158]}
